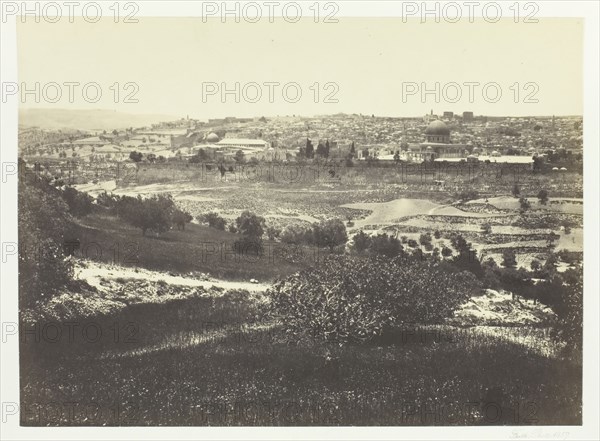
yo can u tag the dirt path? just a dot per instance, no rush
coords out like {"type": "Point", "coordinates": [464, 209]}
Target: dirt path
{"type": "Point", "coordinates": [94, 272]}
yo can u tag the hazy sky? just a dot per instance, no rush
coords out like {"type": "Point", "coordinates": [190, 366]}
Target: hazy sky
{"type": "Point", "coordinates": [368, 60]}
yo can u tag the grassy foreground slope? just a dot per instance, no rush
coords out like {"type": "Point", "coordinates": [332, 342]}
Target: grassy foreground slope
{"type": "Point", "coordinates": [213, 361]}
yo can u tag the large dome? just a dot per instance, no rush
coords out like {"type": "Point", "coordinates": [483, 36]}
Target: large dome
{"type": "Point", "coordinates": [213, 137]}
{"type": "Point", "coordinates": [437, 127]}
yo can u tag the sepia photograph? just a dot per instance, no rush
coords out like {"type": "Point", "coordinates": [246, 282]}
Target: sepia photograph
{"type": "Point", "coordinates": [299, 220]}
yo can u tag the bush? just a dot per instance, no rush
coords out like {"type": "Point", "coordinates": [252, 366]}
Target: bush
{"type": "Point", "coordinates": [509, 258]}
{"type": "Point", "coordinates": [180, 218]}
{"type": "Point", "coordinates": [80, 204]}
{"type": "Point", "coordinates": [297, 234]}
{"type": "Point", "coordinates": [466, 259]}
{"type": "Point", "coordinates": [425, 239]}
{"type": "Point", "coordinates": [334, 304]}
{"type": "Point", "coordinates": [136, 156]}
{"type": "Point", "coordinates": [467, 195]}
{"type": "Point", "coordinates": [107, 200]}
{"type": "Point", "coordinates": [330, 233]}
{"type": "Point", "coordinates": [213, 220]}
{"type": "Point", "coordinates": [543, 197]}
{"type": "Point", "coordinates": [516, 190]}
{"type": "Point", "coordinates": [446, 252]}
{"type": "Point", "coordinates": [381, 244]}
{"type": "Point", "coordinates": [524, 204]}
{"type": "Point", "coordinates": [360, 242]}
{"type": "Point", "coordinates": [153, 213]}
{"type": "Point", "coordinates": [251, 225]}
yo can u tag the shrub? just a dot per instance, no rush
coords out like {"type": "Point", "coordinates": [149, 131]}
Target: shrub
{"type": "Point", "coordinates": [466, 258]}
{"type": "Point", "coordinates": [213, 220]}
{"type": "Point", "coordinates": [543, 197]}
{"type": "Point", "coordinates": [107, 200]}
{"type": "Point", "coordinates": [425, 239]}
{"type": "Point", "coordinates": [334, 304]}
{"type": "Point", "coordinates": [136, 156]}
{"type": "Point", "coordinates": [153, 213]}
{"type": "Point", "coordinates": [360, 242]}
{"type": "Point", "coordinates": [509, 258]}
{"type": "Point", "coordinates": [467, 195]}
{"type": "Point", "coordinates": [249, 224]}
{"type": "Point", "coordinates": [516, 190]}
{"type": "Point", "coordinates": [180, 218]}
{"type": "Point", "coordinates": [80, 204]}
{"type": "Point", "coordinates": [330, 233]}
{"type": "Point", "coordinates": [297, 234]}
{"type": "Point", "coordinates": [381, 244]}
{"type": "Point", "coordinates": [524, 204]}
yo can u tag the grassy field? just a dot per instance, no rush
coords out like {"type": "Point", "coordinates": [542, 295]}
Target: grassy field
{"type": "Point", "coordinates": [196, 249]}
{"type": "Point", "coordinates": [218, 361]}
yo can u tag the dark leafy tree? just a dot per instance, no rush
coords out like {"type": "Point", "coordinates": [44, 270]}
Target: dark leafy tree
{"type": "Point", "coordinates": [330, 233]}
{"type": "Point", "coordinates": [151, 214]}
{"type": "Point", "coordinates": [310, 149]}
{"type": "Point", "coordinates": [251, 225]}
{"type": "Point", "coordinates": [136, 156]}
{"type": "Point", "coordinates": [524, 204]}
{"type": "Point", "coordinates": [509, 258]}
{"type": "Point", "coordinates": [80, 203]}
{"type": "Point", "coordinates": [516, 191]}
{"type": "Point", "coordinates": [425, 239]}
{"type": "Point", "coordinates": [446, 252]}
{"type": "Point", "coordinates": [180, 218]}
{"type": "Point", "coordinates": [213, 220]}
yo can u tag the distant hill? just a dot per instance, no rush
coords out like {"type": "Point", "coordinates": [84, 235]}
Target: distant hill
{"type": "Point", "coordinates": [92, 119]}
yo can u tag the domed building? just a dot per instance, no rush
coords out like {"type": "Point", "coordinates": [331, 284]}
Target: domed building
{"type": "Point", "coordinates": [437, 131]}
{"type": "Point", "coordinates": [437, 144]}
{"type": "Point", "coordinates": [212, 137]}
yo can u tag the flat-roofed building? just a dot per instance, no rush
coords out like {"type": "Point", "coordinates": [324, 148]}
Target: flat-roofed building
{"type": "Point", "coordinates": [243, 142]}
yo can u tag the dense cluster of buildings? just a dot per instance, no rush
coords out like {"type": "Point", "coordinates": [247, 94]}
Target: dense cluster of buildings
{"type": "Point", "coordinates": [428, 138]}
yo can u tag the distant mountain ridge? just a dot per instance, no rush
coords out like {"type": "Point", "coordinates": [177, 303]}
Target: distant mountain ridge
{"type": "Point", "coordinates": [84, 119]}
